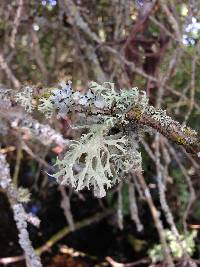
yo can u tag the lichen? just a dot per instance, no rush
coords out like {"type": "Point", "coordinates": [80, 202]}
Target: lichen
{"type": "Point", "coordinates": [65, 99]}
{"type": "Point", "coordinates": [25, 98]}
{"type": "Point", "coordinates": [188, 131]}
{"type": "Point", "coordinates": [138, 113]}
{"type": "Point", "coordinates": [46, 107]}
{"type": "Point", "coordinates": [101, 157]}
{"type": "Point", "coordinates": [181, 141]}
{"type": "Point", "coordinates": [159, 115]}
{"type": "Point", "coordinates": [187, 242]}
{"type": "Point", "coordinates": [119, 100]}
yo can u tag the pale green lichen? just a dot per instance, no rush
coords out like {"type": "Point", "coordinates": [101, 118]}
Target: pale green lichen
{"type": "Point", "coordinates": [25, 98]}
{"type": "Point", "coordinates": [23, 195]}
{"type": "Point", "coordinates": [119, 100]}
{"type": "Point", "coordinates": [187, 244]}
{"type": "Point", "coordinates": [101, 157]}
{"type": "Point", "coordinates": [98, 97]}
{"type": "Point", "coordinates": [46, 107]}
{"type": "Point", "coordinates": [104, 157]}
{"type": "Point", "coordinates": [188, 131]}
{"type": "Point", "coordinates": [160, 116]}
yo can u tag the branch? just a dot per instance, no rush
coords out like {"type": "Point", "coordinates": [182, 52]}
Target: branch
{"type": "Point", "coordinates": [150, 116]}
{"type": "Point", "coordinates": [4, 66]}
{"type": "Point", "coordinates": [41, 132]}
{"type": "Point", "coordinates": [67, 230]}
{"type": "Point", "coordinates": [113, 263]}
{"type": "Point", "coordinates": [20, 216]}
{"type": "Point", "coordinates": [60, 235]}
{"type": "Point", "coordinates": [156, 217]}
{"type": "Point", "coordinates": [74, 16]}
{"type": "Point", "coordinates": [16, 23]}
{"type": "Point", "coordinates": [171, 129]}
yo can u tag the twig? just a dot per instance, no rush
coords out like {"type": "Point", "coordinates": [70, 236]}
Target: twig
{"type": "Point", "coordinates": [132, 264]}
{"type": "Point", "coordinates": [65, 204]}
{"type": "Point", "coordinates": [26, 148]}
{"type": "Point", "coordinates": [66, 230]}
{"type": "Point", "coordinates": [75, 17]}
{"type": "Point", "coordinates": [171, 20]}
{"type": "Point", "coordinates": [41, 132]}
{"type": "Point", "coordinates": [16, 23]}
{"type": "Point", "coordinates": [157, 221]}
{"type": "Point", "coordinates": [120, 217]}
{"type": "Point", "coordinates": [20, 216]}
{"type": "Point", "coordinates": [60, 235]}
{"type": "Point", "coordinates": [133, 207]}
{"type": "Point", "coordinates": [4, 66]}
{"type": "Point", "coordinates": [17, 164]}
{"type": "Point", "coordinates": [192, 196]}
{"type": "Point", "coordinates": [38, 54]}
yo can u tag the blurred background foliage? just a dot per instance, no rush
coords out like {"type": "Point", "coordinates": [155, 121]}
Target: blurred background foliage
{"type": "Point", "coordinates": [154, 45]}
